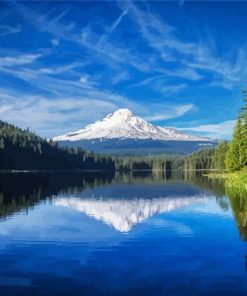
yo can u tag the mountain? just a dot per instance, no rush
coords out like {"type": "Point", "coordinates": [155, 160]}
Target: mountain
{"type": "Point", "coordinates": [123, 132]}
{"type": "Point", "coordinates": [124, 124]}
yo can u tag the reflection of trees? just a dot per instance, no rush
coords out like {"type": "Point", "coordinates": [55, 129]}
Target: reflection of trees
{"type": "Point", "coordinates": [23, 191]}
{"type": "Point", "coordinates": [14, 203]}
{"type": "Point", "coordinates": [238, 201]}
{"type": "Point", "coordinates": [223, 202]}
{"type": "Point", "coordinates": [216, 186]}
{"type": "Point", "coordinates": [225, 195]}
{"type": "Point", "coordinates": [197, 178]}
{"type": "Point", "coordinates": [143, 177]}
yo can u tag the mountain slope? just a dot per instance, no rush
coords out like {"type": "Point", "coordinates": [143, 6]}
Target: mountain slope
{"type": "Point", "coordinates": [123, 124]}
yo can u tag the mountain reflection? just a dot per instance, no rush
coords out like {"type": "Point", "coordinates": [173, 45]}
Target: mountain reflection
{"type": "Point", "coordinates": [131, 198]}
{"type": "Point", "coordinates": [123, 214]}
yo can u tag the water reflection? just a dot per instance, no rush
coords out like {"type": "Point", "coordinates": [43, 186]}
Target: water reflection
{"type": "Point", "coordinates": [123, 214]}
{"type": "Point", "coordinates": [105, 234]}
{"type": "Point", "coordinates": [20, 191]}
{"type": "Point", "coordinates": [119, 200]}
{"type": "Point", "coordinates": [238, 202]}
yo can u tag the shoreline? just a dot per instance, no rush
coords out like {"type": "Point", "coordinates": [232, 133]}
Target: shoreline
{"type": "Point", "coordinates": [232, 179]}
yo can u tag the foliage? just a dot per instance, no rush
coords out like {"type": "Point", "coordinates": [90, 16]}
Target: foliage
{"type": "Point", "coordinates": [203, 159]}
{"type": "Point", "coordinates": [220, 155]}
{"type": "Point", "coordinates": [155, 163]}
{"type": "Point", "coordinates": [236, 157]}
{"type": "Point", "coordinates": [233, 156]}
{"type": "Point", "coordinates": [237, 180]}
{"type": "Point", "coordinates": [22, 149]}
{"type": "Point", "coordinates": [243, 145]}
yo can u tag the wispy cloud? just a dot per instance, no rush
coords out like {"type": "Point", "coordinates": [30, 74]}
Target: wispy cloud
{"type": "Point", "coordinates": [8, 30]}
{"type": "Point", "coordinates": [157, 33]}
{"type": "Point", "coordinates": [191, 56]}
{"type": "Point", "coordinates": [171, 89]}
{"type": "Point", "coordinates": [113, 27]}
{"type": "Point", "coordinates": [230, 73]}
{"type": "Point", "coordinates": [55, 41]}
{"type": "Point", "coordinates": [161, 84]}
{"type": "Point", "coordinates": [120, 76]}
{"type": "Point", "coordinates": [10, 61]}
{"type": "Point", "coordinates": [186, 73]}
{"type": "Point", "coordinates": [169, 111]}
{"type": "Point", "coordinates": [48, 78]}
{"type": "Point", "coordinates": [51, 116]}
{"type": "Point", "coordinates": [222, 130]}
{"type": "Point", "coordinates": [189, 59]}
{"type": "Point", "coordinates": [85, 37]}
{"type": "Point", "coordinates": [79, 60]}
{"type": "Point", "coordinates": [160, 36]}
{"type": "Point", "coordinates": [59, 69]}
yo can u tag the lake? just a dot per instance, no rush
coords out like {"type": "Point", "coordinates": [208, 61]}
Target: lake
{"type": "Point", "coordinates": [113, 234]}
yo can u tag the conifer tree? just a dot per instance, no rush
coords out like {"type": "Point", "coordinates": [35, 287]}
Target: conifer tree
{"type": "Point", "coordinates": [233, 156]}
{"type": "Point", "coordinates": [220, 155]}
{"type": "Point", "coordinates": [243, 116]}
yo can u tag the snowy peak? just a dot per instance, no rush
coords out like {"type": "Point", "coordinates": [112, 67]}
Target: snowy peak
{"type": "Point", "coordinates": [122, 113]}
{"type": "Point", "coordinates": [125, 125]}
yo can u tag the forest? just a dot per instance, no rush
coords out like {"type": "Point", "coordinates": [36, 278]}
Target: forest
{"type": "Point", "coordinates": [24, 150]}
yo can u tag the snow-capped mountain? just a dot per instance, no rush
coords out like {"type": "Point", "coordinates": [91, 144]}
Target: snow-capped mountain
{"type": "Point", "coordinates": [124, 214]}
{"type": "Point", "coordinates": [123, 124]}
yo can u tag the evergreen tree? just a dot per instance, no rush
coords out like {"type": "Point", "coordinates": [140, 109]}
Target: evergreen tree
{"type": "Point", "coordinates": [233, 156]}
{"type": "Point", "coordinates": [243, 116]}
{"type": "Point", "coordinates": [220, 155]}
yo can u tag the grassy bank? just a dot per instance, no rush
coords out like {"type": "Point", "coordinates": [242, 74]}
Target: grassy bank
{"type": "Point", "coordinates": [236, 180]}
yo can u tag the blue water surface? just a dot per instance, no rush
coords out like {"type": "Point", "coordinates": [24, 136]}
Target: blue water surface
{"type": "Point", "coordinates": [140, 238]}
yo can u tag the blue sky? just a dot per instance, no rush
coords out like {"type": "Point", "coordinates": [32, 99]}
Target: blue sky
{"type": "Point", "coordinates": [179, 64]}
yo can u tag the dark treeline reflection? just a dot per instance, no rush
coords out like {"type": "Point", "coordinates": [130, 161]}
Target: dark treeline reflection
{"type": "Point", "coordinates": [238, 202]}
{"type": "Point", "coordinates": [19, 191]}
{"type": "Point", "coordinates": [22, 191]}
{"type": "Point", "coordinates": [197, 178]}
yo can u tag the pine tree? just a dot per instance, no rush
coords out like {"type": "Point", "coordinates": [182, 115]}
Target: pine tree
{"type": "Point", "coordinates": [220, 155]}
{"type": "Point", "coordinates": [233, 156]}
{"type": "Point", "coordinates": [243, 116]}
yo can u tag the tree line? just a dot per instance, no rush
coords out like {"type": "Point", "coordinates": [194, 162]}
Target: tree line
{"type": "Point", "coordinates": [22, 149]}
{"type": "Point", "coordinates": [236, 156]}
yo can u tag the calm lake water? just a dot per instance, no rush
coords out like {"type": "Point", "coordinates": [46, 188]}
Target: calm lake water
{"type": "Point", "coordinates": [100, 234]}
